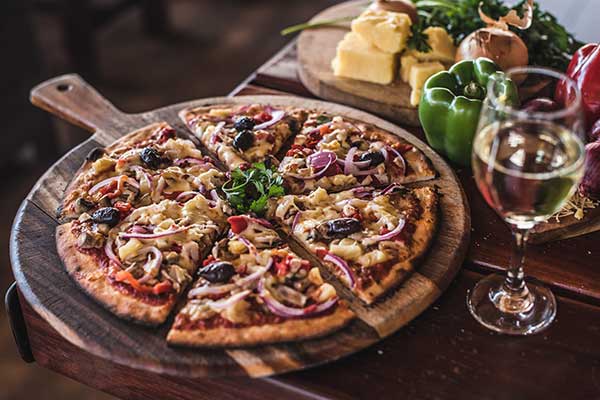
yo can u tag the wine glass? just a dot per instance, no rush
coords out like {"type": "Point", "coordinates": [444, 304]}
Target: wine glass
{"type": "Point", "coordinates": [526, 163]}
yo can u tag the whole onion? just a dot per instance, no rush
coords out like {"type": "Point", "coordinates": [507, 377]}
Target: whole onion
{"type": "Point", "coordinates": [503, 47]}
{"type": "Point", "coordinates": [590, 185]}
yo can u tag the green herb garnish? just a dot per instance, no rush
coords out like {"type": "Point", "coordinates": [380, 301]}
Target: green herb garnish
{"type": "Point", "coordinates": [461, 17]}
{"type": "Point", "coordinates": [249, 190]}
{"type": "Point", "coordinates": [323, 119]}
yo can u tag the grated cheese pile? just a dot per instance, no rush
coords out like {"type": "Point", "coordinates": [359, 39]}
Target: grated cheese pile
{"type": "Point", "coordinates": [575, 206]}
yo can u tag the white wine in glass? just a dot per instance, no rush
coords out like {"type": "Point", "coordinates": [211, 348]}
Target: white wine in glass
{"type": "Point", "coordinates": [526, 166]}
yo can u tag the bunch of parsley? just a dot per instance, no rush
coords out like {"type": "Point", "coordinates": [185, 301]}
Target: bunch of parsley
{"type": "Point", "coordinates": [249, 190]}
{"type": "Point", "coordinates": [548, 42]}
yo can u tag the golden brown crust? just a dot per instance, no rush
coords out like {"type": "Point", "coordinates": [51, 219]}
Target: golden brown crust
{"type": "Point", "coordinates": [72, 190]}
{"type": "Point", "coordinates": [422, 238]}
{"type": "Point", "coordinates": [84, 270]}
{"type": "Point", "coordinates": [293, 329]}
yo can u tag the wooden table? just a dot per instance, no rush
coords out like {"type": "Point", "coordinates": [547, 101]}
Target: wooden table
{"type": "Point", "coordinates": [444, 353]}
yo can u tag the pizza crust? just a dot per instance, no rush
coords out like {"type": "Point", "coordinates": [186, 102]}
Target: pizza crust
{"type": "Point", "coordinates": [293, 329]}
{"type": "Point", "coordinates": [85, 270]}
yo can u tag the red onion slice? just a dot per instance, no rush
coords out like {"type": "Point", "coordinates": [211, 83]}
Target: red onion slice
{"type": "Point", "coordinates": [343, 266]}
{"type": "Point", "coordinates": [387, 236]}
{"type": "Point", "coordinates": [255, 275]}
{"type": "Point", "coordinates": [321, 159]}
{"type": "Point", "coordinates": [158, 235]}
{"type": "Point", "coordinates": [185, 196]}
{"type": "Point", "coordinates": [209, 290]}
{"type": "Point", "coordinates": [313, 176]}
{"type": "Point", "coordinates": [247, 243]}
{"type": "Point", "coordinates": [261, 221]}
{"type": "Point", "coordinates": [110, 253]}
{"type": "Point", "coordinates": [296, 220]}
{"type": "Point", "coordinates": [282, 310]}
{"type": "Point", "coordinates": [390, 188]}
{"type": "Point", "coordinates": [108, 181]}
{"type": "Point", "coordinates": [220, 305]}
{"type": "Point", "coordinates": [400, 158]}
{"type": "Point", "coordinates": [276, 116]}
{"type": "Point", "coordinates": [216, 132]}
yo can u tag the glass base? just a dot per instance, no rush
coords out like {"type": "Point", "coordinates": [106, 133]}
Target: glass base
{"type": "Point", "coordinates": [497, 309]}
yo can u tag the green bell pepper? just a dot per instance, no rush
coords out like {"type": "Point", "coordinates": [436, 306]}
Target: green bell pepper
{"type": "Point", "coordinates": [451, 103]}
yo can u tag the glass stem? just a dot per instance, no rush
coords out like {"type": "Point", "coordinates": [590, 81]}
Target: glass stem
{"type": "Point", "coordinates": [517, 297]}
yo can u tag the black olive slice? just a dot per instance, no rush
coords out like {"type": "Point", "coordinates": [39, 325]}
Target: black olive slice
{"type": "Point", "coordinates": [107, 215]}
{"type": "Point", "coordinates": [218, 272]}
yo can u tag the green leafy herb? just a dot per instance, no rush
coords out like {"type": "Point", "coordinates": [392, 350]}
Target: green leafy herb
{"type": "Point", "coordinates": [250, 190]}
{"type": "Point", "coordinates": [323, 119]}
{"type": "Point", "coordinates": [461, 17]}
{"type": "Point", "coordinates": [418, 38]}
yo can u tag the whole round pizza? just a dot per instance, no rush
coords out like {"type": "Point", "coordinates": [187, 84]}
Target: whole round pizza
{"type": "Point", "coordinates": [154, 224]}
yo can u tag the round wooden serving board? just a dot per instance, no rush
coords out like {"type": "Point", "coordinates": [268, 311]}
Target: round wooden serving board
{"type": "Point", "coordinates": [46, 286]}
{"type": "Point", "coordinates": [316, 49]}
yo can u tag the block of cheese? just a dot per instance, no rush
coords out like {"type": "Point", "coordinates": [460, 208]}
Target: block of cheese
{"type": "Point", "coordinates": [442, 46]}
{"type": "Point", "coordinates": [406, 64]}
{"type": "Point", "coordinates": [388, 31]}
{"type": "Point", "coordinates": [357, 59]}
{"type": "Point", "coordinates": [419, 73]}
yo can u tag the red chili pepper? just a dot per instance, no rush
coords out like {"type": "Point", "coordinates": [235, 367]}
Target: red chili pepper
{"type": "Point", "coordinates": [238, 223]}
{"type": "Point", "coordinates": [162, 287]}
{"type": "Point", "coordinates": [123, 207]}
{"type": "Point", "coordinates": [263, 117]}
{"type": "Point", "coordinates": [584, 69]}
{"type": "Point", "coordinates": [321, 253]}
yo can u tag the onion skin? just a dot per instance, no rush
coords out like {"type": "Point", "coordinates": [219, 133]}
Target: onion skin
{"type": "Point", "coordinates": [590, 185]}
{"type": "Point", "coordinates": [505, 48]}
{"type": "Point", "coordinates": [399, 6]}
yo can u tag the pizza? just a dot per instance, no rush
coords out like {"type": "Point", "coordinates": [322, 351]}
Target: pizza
{"type": "Point", "coordinates": [151, 225]}
{"type": "Point", "coordinates": [337, 153]}
{"type": "Point", "coordinates": [370, 239]}
{"type": "Point", "coordinates": [137, 224]}
{"type": "Point", "coordinates": [239, 135]}
{"type": "Point", "coordinates": [253, 289]}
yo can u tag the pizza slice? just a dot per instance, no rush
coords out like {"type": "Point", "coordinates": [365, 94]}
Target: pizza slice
{"type": "Point", "coordinates": [142, 168]}
{"type": "Point", "coordinates": [370, 239]}
{"type": "Point", "coordinates": [252, 290]}
{"type": "Point", "coordinates": [139, 267]}
{"type": "Point", "coordinates": [242, 134]}
{"type": "Point", "coordinates": [336, 153]}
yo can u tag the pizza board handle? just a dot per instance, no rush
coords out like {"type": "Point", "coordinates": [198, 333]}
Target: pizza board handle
{"type": "Point", "coordinates": [71, 98]}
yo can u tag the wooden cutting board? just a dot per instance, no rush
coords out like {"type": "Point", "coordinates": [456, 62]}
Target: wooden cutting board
{"type": "Point", "coordinates": [46, 286]}
{"type": "Point", "coordinates": [316, 49]}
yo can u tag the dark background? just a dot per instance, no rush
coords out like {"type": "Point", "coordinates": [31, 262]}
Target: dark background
{"type": "Point", "coordinates": [140, 54]}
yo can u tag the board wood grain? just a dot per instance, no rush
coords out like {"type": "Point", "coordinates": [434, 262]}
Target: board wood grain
{"type": "Point", "coordinates": [316, 49]}
{"type": "Point", "coordinates": [51, 293]}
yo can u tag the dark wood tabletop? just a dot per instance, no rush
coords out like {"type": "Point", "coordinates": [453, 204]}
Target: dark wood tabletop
{"type": "Point", "coordinates": [443, 353]}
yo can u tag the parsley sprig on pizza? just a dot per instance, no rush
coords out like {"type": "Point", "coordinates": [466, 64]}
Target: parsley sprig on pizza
{"type": "Point", "coordinates": [249, 189]}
